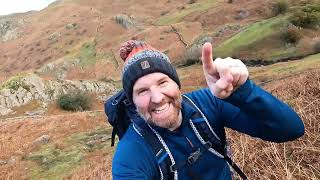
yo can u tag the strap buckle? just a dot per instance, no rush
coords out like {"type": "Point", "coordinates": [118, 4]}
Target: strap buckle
{"type": "Point", "coordinates": [173, 168]}
{"type": "Point", "coordinates": [194, 156]}
{"type": "Point", "coordinates": [114, 102]}
{"type": "Point", "coordinates": [208, 144]}
{"type": "Point", "coordinates": [126, 102]}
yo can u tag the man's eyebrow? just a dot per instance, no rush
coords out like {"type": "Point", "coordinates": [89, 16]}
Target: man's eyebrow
{"type": "Point", "coordinates": [140, 86]}
{"type": "Point", "coordinates": [163, 78]}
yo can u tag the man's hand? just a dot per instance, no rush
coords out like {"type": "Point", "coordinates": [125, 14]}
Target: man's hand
{"type": "Point", "coordinates": [223, 76]}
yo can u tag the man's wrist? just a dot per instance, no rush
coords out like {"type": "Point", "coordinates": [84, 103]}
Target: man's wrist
{"type": "Point", "coordinates": [241, 93]}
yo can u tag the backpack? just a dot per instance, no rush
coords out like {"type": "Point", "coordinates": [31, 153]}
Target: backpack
{"type": "Point", "coordinates": [121, 113]}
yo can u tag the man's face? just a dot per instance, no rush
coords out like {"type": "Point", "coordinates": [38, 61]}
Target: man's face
{"type": "Point", "coordinates": [158, 100]}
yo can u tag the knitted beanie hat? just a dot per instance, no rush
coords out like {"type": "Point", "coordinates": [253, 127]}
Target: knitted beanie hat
{"type": "Point", "coordinates": [142, 59]}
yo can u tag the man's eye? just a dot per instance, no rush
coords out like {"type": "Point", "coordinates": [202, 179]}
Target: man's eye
{"type": "Point", "coordinates": [163, 83]}
{"type": "Point", "coordinates": [142, 92]}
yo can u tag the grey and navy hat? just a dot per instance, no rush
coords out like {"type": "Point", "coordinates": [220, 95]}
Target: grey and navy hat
{"type": "Point", "coordinates": [142, 59]}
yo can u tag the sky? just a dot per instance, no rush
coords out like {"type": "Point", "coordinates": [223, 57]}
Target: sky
{"type": "Point", "coordinates": [19, 6]}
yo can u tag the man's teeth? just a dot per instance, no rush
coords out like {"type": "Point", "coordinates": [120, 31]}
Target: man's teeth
{"type": "Point", "coordinates": [162, 108]}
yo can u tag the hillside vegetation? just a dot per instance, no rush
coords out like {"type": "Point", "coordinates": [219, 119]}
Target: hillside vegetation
{"type": "Point", "coordinates": [290, 34]}
{"type": "Point", "coordinates": [73, 45]}
{"type": "Point", "coordinates": [292, 160]}
{"type": "Point", "coordinates": [86, 152]}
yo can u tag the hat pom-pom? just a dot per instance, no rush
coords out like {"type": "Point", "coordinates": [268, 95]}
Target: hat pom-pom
{"type": "Point", "coordinates": [126, 49]}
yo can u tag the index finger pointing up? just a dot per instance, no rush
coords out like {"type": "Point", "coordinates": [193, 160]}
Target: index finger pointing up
{"type": "Point", "coordinates": [207, 61]}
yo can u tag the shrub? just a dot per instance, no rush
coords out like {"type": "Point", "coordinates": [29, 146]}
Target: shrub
{"type": "Point", "coordinates": [15, 83]}
{"type": "Point", "coordinates": [316, 47]}
{"type": "Point", "coordinates": [124, 20]}
{"type": "Point", "coordinates": [192, 56]}
{"type": "Point", "coordinates": [280, 7]}
{"type": "Point", "coordinates": [307, 16]}
{"type": "Point", "coordinates": [75, 101]}
{"type": "Point", "coordinates": [193, 53]}
{"type": "Point", "coordinates": [191, 1]}
{"type": "Point", "coordinates": [291, 35]}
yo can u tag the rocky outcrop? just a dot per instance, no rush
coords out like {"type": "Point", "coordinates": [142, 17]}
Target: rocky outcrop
{"type": "Point", "coordinates": [32, 87]}
{"type": "Point", "coordinates": [9, 30]}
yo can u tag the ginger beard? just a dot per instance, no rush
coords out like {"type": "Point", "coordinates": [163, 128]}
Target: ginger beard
{"type": "Point", "coordinates": [169, 115]}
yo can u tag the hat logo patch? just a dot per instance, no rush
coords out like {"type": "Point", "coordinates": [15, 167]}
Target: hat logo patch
{"type": "Point", "coordinates": [145, 65]}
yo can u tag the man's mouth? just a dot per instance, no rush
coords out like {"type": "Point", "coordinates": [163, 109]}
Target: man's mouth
{"type": "Point", "coordinates": [162, 108]}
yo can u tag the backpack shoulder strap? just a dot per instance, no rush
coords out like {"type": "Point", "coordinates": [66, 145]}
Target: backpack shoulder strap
{"type": "Point", "coordinates": [204, 131]}
{"type": "Point", "coordinates": [209, 138]}
{"type": "Point", "coordinates": [159, 148]}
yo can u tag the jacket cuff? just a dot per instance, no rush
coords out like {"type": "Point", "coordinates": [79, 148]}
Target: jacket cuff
{"type": "Point", "coordinates": [241, 94]}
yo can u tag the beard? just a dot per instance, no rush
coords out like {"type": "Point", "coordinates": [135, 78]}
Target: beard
{"type": "Point", "coordinates": [175, 118]}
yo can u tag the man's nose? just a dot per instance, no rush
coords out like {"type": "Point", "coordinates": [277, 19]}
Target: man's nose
{"type": "Point", "coordinates": [156, 95]}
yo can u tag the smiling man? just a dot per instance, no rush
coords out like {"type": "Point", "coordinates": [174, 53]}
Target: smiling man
{"type": "Point", "coordinates": [190, 128]}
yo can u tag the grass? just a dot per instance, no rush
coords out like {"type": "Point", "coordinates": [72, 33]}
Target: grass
{"type": "Point", "coordinates": [56, 161]}
{"type": "Point", "coordinates": [258, 74]}
{"type": "Point", "coordinates": [283, 52]}
{"type": "Point", "coordinates": [284, 69]}
{"type": "Point", "coordinates": [251, 34]}
{"type": "Point", "coordinates": [189, 9]}
{"type": "Point", "coordinates": [87, 54]}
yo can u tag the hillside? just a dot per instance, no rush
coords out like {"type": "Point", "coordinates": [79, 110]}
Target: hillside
{"type": "Point", "coordinates": [77, 145]}
{"type": "Point", "coordinates": [73, 46]}
{"type": "Point", "coordinates": [89, 34]}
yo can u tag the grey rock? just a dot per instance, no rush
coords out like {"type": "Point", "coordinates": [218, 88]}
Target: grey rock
{"type": "Point", "coordinates": [35, 82]}
{"type": "Point", "coordinates": [12, 160]}
{"type": "Point", "coordinates": [5, 111]}
{"type": "Point", "coordinates": [6, 92]}
{"type": "Point", "coordinates": [8, 30]}
{"type": "Point", "coordinates": [106, 138]}
{"type": "Point", "coordinates": [242, 14]}
{"type": "Point", "coordinates": [72, 26]}
{"type": "Point", "coordinates": [54, 36]}
{"type": "Point", "coordinates": [12, 101]}
{"type": "Point", "coordinates": [44, 139]}
{"type": "Point", "coordinates": [2, 101]}
{"type": "Point", "coordinates": [3, 162]}
{"type": "Point", "coordinates": [92, 143]}
{"type": "Point", "coordinates": [34, 113]}
{"type": "Point", "coordinates": [20, 94]}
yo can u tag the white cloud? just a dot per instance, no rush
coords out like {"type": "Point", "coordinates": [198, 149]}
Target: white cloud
{"type": "Point", "coordinates": [18, 6]}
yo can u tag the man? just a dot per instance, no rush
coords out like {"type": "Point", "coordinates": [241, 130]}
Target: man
{"type": "Point", "coordinates": [231, 100]}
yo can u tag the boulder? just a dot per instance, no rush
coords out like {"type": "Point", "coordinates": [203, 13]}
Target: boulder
{"type": "Point", "coordinates": [44, 139]}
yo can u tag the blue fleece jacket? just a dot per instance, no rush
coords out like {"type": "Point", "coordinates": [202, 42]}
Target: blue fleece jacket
{"type": "Point", "coordinates": [249, 110]}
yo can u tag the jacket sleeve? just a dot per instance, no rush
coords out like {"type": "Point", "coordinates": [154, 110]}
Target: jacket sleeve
{"type": "Point", "coordinates": [254, 111]}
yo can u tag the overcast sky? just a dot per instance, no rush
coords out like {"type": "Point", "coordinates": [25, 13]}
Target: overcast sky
{"type": "Point", "coordinates": [18, 6]}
